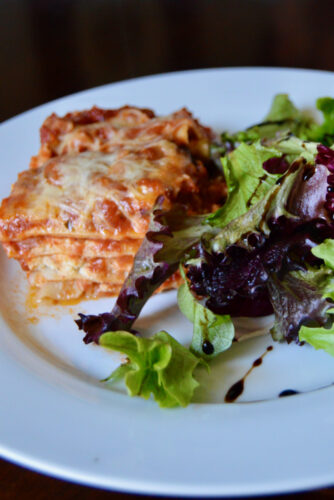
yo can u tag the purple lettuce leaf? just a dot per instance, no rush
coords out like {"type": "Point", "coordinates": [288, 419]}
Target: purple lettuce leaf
{"type": "Point", "coordinates": [297, 299]}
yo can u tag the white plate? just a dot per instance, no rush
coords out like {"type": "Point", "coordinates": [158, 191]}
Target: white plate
{"type": "Point", "coordinates": [55, 415]}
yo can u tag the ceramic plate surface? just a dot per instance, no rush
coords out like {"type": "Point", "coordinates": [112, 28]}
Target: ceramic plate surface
{"type": "Point", "coordinates": [55, 415]}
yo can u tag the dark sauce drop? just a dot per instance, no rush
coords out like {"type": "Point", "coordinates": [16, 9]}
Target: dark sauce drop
{"type": "Point", "coordinates": [237, 389]}
{"type": "Point", "coordinates": [207, 347]}
{"type": "Point", "coordinates": [287, 392]}
{"type": "Point", "coordinates": [257, 362]}
{"type": "Point", "coordinates": [309, 171]}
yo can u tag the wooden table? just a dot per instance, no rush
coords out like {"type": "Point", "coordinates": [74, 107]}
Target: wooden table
{"type": "Point", "coordinates": [50, 48]}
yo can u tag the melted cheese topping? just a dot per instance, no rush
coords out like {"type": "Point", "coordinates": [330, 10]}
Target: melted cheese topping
{"type": "Point", "coordinates": [97, 195]}
{"type": "Point", "coordinates": [85, 130]}
{"type": "Point", "coordinates": [69, 135]}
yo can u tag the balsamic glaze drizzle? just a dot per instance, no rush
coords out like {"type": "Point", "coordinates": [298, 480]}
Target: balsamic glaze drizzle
{"type": "Point", "coordinates": [287, 392]}
{"type": "Point", "coordinates": [237, 389]}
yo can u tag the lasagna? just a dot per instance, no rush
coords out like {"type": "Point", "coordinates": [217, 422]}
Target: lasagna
{"type": "Point", "coordinates": [75, 219]}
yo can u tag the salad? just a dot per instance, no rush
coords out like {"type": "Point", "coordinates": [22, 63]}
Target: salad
{"type": "Point", "coordinates": [268, 249]}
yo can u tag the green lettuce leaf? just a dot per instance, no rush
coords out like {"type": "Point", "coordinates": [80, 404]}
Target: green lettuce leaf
{"type": "Point", "coordinates": [324, 133]}
{"type": "Point", "coordinates": [282, 108]}
{"type": "Point", "coordinates": [254, 220]}
{"type": "Point", "coordinates": [247, 181]}
{"type": "Point", "coordinates": [319, 338]}
{"type": "Point", "coordinates": [293, 148]}
{"type": "Point", "coordinates": [325, 251]}
{"type": "Point", "coordinates": [282, 119]}
{"type": "Point", "coordinates": [213, 333]}
{"type": "Point", "coordinates": [158, 365]}
{"type": "Point", "coordinates": [322, 337]}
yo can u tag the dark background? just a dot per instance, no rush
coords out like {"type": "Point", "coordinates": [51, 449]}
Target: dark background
{"type": "Point", "coordinates": [50, 48]}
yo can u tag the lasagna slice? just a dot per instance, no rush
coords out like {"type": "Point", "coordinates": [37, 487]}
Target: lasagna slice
{"type": "Point", "coordinates": [75, 219]}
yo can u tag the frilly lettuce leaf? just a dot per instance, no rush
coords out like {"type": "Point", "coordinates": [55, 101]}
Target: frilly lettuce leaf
{"type": "Point", "coordinates": [255, 219]}
{"type": "Point", "coordinates": [322, 337]}
{"type": "Point", "coordinates": [282, 119]}
{"type": "Point", "coordinates": [282, 108]}
{"type": "Point", "coordinates": [318, 337]}
{"type": "Point", "coordinates": [325, 251]}
{"type": "Point", "coordinates": [293, 148]}
{"type": "Point", "coordinates": [302, 125]}
{"type": "Point", "coordinates": [324, 133]}
{"type": "Point", "coordinates": [246, 180]}
{"type": "Point", "coordinates": [300, 298]}
{"type": "Point", "coordinates": [212, 333]}
{"type": "Point", "coordinates": [157, 366]}
{"type": "Point", "coordinates": [322, 279]}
